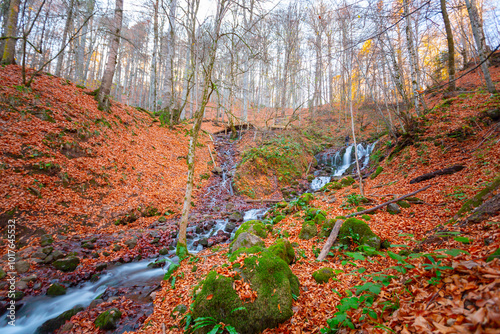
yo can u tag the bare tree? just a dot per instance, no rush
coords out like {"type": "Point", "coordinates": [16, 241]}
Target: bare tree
{"type": "Point", "coordinates": [9, 51]}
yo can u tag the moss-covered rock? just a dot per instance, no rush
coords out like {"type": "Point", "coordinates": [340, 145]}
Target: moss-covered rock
{"type": "Point", "coordinates": [393, 209]}
{"type": "Point", "coordinates": [246, 240]}
{"type": "Point", "coordinates": [305, 199]}
{"type": "Point", "coordinates": [403, 204]}
{"type": "Point", "coordinates": [326, 228]}
{"type": "Point", "coordinates": [278, 219]}
{"type": "Point", "coordinates": [46, 240]}
{"type": "Point", "coordinates": [56, 290]}
{"type": "Point", "coordinates": [494, 255]}
{"type": "Point", "coordinates": [331, 186]}
{"type": "Point", "coordinates": [179, 310]}
{"type": "Point", "coordinates": [250, 250]}
{"type": "Point", "coordinates": [316, 215]}
{"type": "Point", "coordinates": [347, 181]}
{"type": "Point", "coordinates": [108, 319]}
{"type": "Point", "coordinates": [50, 326]}
{"type": "Point", "coordinates": [323, 275]}
{"type": "Point", "coordinates": [283, 249]}
{"type": "Point", "coordinates": [269, 276]}
{"type": "Point", "coordinates": [377, 172]}
{"type": "Point", "coordinates": [308, 230]}
{"type": "Point", "coordinates": [366, 217]}
{"type": "Point", "coordinates": [67, 264]}
{"type": "Point", "coordinates": [252, 226]}
{"type": "Point", "coordinates": [359, 231]}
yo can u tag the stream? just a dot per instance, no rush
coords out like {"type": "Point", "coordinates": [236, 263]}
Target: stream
{"type": "Point", "coordinates": [141, 279]}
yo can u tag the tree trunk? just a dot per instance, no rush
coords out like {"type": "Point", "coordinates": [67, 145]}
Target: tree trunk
{"type": "Point", "coordinates": [65, 38]}
{"type": "Point", "coordinates": [181, 248]}
{"type": "Point", "coordinates": [80, 57]}
{"type": "Point", "coordinates": [107, 79]}
{"type": "Point", "coordinates": [412, 58]}
{"type": "Point", "coordinates": [451, 46]}
{"type": "Point", "coordinates": [480, 42]}
{"type": "Point", "coordinates": [9, 51]}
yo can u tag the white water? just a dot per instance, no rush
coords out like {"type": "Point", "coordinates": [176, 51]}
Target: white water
{"type": "Point", "coordinates": [342, 163]}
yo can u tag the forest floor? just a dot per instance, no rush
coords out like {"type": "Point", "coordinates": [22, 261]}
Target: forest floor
{"type": "Point", "coordinates": [74, 172]}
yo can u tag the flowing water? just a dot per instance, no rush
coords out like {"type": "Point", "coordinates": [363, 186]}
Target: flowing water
{"type": "Point", "coordinates": [339, 162]}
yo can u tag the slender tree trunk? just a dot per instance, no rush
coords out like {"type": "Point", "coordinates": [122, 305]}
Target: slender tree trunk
{"type": "Point", "coordinates": [9, 50]}
{"type": "Point", "coordinates": [181, 248]}
{"type": "Point", "coordinates": [107, 79]}
{"type": "Point", "coordinates": [154, 62]}
{"type": "Point", "coordinates": [480, 42]}
{"type": "Point", "coordinates": [80, 58]}
{"type": "Point", "coordinates": [451, 46]}
{"type": "Point", "coordinates": [411, 58]}
{"type": "Point", "coordinates": [65, 38]}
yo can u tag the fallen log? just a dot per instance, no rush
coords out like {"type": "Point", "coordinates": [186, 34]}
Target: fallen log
{"type": "Point", "coordinates": [444, 171]}
{"type": "Point", "coordinates": [331, 239]}
{"type": "Point", "coordinates": [335, 231]}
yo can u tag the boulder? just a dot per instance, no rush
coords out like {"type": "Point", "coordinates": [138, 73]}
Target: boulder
{"type": "Point", "coordinates": [272, 280]}
{"type": "Point", "coordinates": [50, 326]}
{"type": "Point", "coordinates": [217, 170]}
{"type": "Point", "coordinates": [230, 226]}
{"type": "Point", "coordinates": [283, 249]}
{"type": "Point", "coordinates": [22, 266]}
{"type": "Point", "coordinates": [326, 228]}
{"type": "Point", "coordinates": [255, 227]}
{"type": "Point", "coordinates": [67, 264]}
{"type": "Point", "coordinates": [131, 243]}
{"type": "Point", "coordinates": [246, 240]}
{"type": "Point", "coordinates": [308, 230]}
{"type": "Point", "coordinates": [358, 230]}
{"type": "Point", "coordinates": [56, 289]}
{"type": "Point", "coordinates": [393, 209]}
{"type": "Point", "coordinates": [235, 217]}
{"type": "Point", "coordinates": [323, 275]}
{"type": "Point", "coordinates": [46, 240]}
{"type": "Point", "coordinates": [108, 319]}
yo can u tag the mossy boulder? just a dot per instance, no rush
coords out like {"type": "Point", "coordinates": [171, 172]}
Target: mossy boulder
{"type": "Point", "coordinates": [316, 215]}
{"type": "Point", "coordinates": [269, 276]}
{"type": "Point", "coordinates": [246, 240]}
{"type": "Point", "coordinates": [179, 310]}
{"type": "Point", "coordinates": [347, 181]}
{"type": "Point", "coordinates": [108, 319]}
{"type": "Point", "coordinates": [359, 231]}
{"type": "Point", "coordinates": [331, 186]}
{"type": "Point", "coordinates": [393, 209]}
{"type": "Point", "coordinates": [323, 275]}
{"type": "Point", "coordinates": [56, 289]}
{"type": "Point", "coordinates": [377, 172]}
{"type": "Point", "coordinates": [403, 204]}
{"type": "Point", "coordinates": [255, 227]}
{"type": "Point", "coordinates": [67, 264]}
{"type": "Point", "coordinates": [283, 249]}
{"type": "Point", "coordinates": [50, 326]}
{"type": "Point", "coordinates": [326, 228]}
{"type": "Point", "coordinates": [305, 199]}
{"type": "Point", "coordinates": [308, 230]}
{"type": "Point", "coordinates": [494, 255]}
{"type": "Point", "coordinates": [46, 240]}
{"type": "Point", "coordinates": [278, 219]}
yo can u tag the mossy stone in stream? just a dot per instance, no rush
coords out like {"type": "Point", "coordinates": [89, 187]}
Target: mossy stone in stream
{"type": "Point", "coordinates": [67, 264]}
{"type": "Point", "coordinates": [56, 289]}
{"type": "Point", "coordinates": [283, 249]}
{"type": "Point", "coordinates": [108, 319]}
{"type": "Point", "coordinates": [323, 275]}
{"type": "Point", "coordinates": [359, 231]}
{"type": "Point", "coordinates": [52, 325]}
{"type": "Point", "coordinates": [494, 255]}
{"type": "Point", "coordinates": [252, 226]}
{"type": "Point", "coordinates": [269, 276]}
{"type": "Point", "coordinates": [308, 230]}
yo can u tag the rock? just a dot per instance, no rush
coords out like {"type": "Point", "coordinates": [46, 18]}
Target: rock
{"type": "Point", "coordinates": [131, 243]}
{"type": "Point", "coordinates": [246, 240]}
{"type": "Point", "coordinates": [323, 275]}
{"type": "Point", "coordinates": [179, 310]}
{"type": "Point", "coordinates": [88, 245]}
{"type": "Point", "coordinates": [108, 319]}
{"type": "Point", "coordinates": [49, 259]}
{"type": "Point", "coordinates": [163, 251]}
{"type": "Point", "coordinates": [236, 217]}
{"type": "Point", "coordinates": [162, 219]}
{"type": "Point", "coordinates": [50, 326]}
{"type": "Point", "coordinates": [326, 228]}
{"type": "Point", "coordinates": [47, 250]}
{"type": "Point", "coordinates": [255, 227]}
{"type": "Point", "coordinates": [56, 289]}
{"type": "Point", "coordinates": [18, 295]}
{"type": "Point", "coordinates": [355, 228]}
{"type": "Point", "coordinates": [403, 204]}
{"type": "Point", "coordinates": [46, 240]}
{"type": "Point", "coordinates": [230, 226]}
{"type": "Point", "coordinates": [116, 248]}
{"type": "Point", "coordinates": [308, 230]}
{"type": "Point", "coordinates": [2, 273]}
{"type": "Point", "coordinates": [217, 170]}
{"type": "Point", "coordinates": [494, 255]}
{"type": "Point", "coordinates": [283, 249]}
{"type": "Point", "coordinates": [21, 285]}
{"type": "Point", "coordinates": [379, 170]}
{"type": "Point", "coordinates": [204, 242]}
{"type": "Point", "coordinates": [67, 264]}
{"type": "Point", "coordinates": [101, 266]}
{"type": "Point", "coordinates": [275, 286]}
{"type": "Point", "coordinates": [304, 199]}
{"type": "Point", "coordinates": [39, 255]}
{"type": "Point", "coordinates": [331, 200]}
{"type": "Point", "coordinates": [31, 278]}
{"type": "Point", "coordinates": [66, 328]}
{"type": "Point", "coordinates": [95, 302]}
{"type": "Point", "coordinates": [57, 254]}
{"type": "Point", "coordinates": [393, 209]}
{"type": "Point", "coordinates": [347, 181]}
{"type": "Point", "coordinates": [22, 267]}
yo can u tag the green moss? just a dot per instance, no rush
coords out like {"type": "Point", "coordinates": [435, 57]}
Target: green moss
{"type": "Point", "coordinates": [283, 249]}
{"type": "Point", "coordinates": [278, 218]}
{"type": "Point", "coordinates": [173, 268]}
{"type": "Point", "coordinates": [181, 251]}
{"type": "Point", "coordinates": [326, 228]}
{"type": "Point", "coordinates": [305, 199]}
{"type": "Point", "coordinates": [50, 326]}
{"type": "Point", "coordinates": [252, 250]}
{"type": "Point", "coordinates": [379, 170]}
{"type": "Point", "coordinates": [331, 186]}
{"type": "Point", "coordinates": [366, 217]}
{"type": "Point", "coordinates": [323, 275]}
{"type": "Point", "coordinates": [108, 319]}
{"type": "Point", "coordinates": [274, 283]}
{"type": "Point", "coordinates": [308, 230]}
{"type": "Point", "coordinates": [494, 255]}
{"type": "Point", "coordinates": [360, 208]}
{"type": "Point", "coordinates": [478, 199]}
{"type": "Point", "coordinates": [347, 181]}
{"type": "Point", "coordinates": [357, 230]}
{"type": "Point", "coordinates": [252, 226]}
{"type": "Point", "coordinates": [67, 264]}
{"type": "Point", "coordinates": [403, 204]}
{"type": "Point", "coordinates": [56, 290]}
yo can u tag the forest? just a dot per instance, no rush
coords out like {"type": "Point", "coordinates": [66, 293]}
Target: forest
{"type": "Point", "coordinates": [249, 166]}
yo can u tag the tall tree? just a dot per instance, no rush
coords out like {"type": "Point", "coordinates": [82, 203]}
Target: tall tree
{"type": "Point", "coordinates": [451, 46]}
{"type": "Point", "coordinates": [9, 51]}
{"type": "Point", "coordinates": [69, 20]}
{"type": "Point", "coordinates": [107, 79]}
